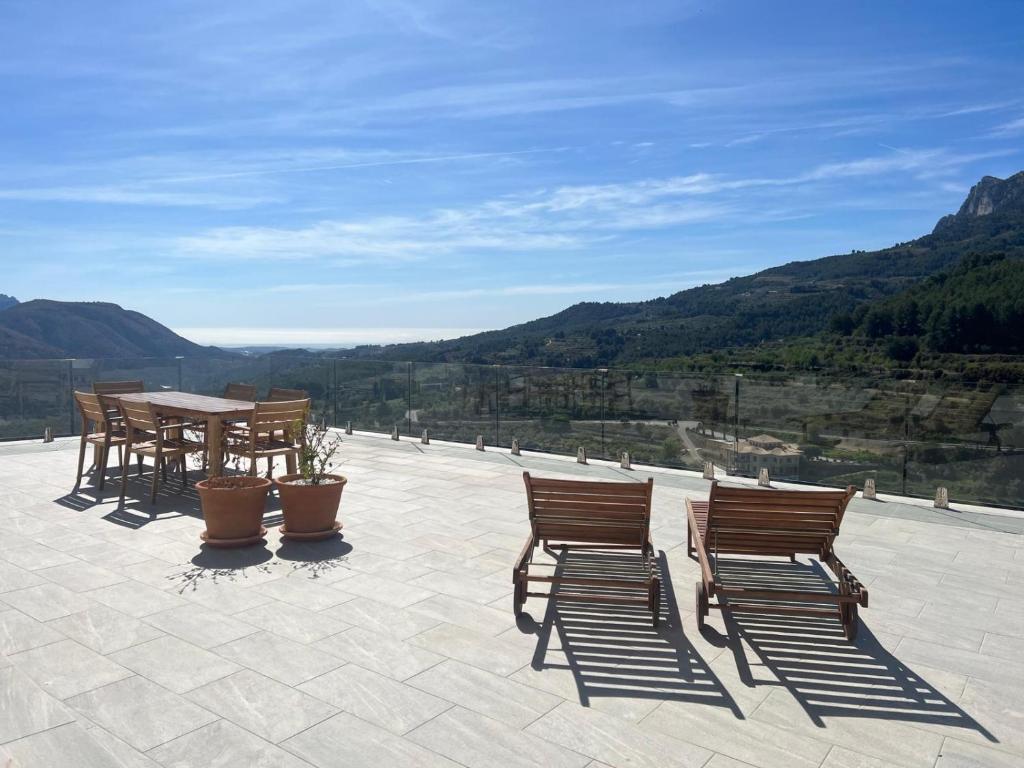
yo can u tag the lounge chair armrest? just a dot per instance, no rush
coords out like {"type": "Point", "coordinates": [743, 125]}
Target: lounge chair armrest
{"type": "Point", "coordinates": [705, 565]}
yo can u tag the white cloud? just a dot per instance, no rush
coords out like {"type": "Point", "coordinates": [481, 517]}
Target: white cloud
{"type": "Point", "coordinates": [1012, 128]}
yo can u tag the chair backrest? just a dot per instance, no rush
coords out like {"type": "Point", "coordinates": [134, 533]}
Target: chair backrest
{"type": "Point", "coordinates": [237, 391]}
{"type": "Point", "coordinates": [761, 521]}
{"type": "Point", "coordinates": [609, 513]}
{"type": "Point", "coordinates": [91, 408]}
{"type": "Point", "coordinates": [139, 417]}
{"type": "Point", "coordinates": [280, 393]}
{"type": "Point", "coordinates": [117, 387]}
{"type": "Point", "coordinates": [272, 416]}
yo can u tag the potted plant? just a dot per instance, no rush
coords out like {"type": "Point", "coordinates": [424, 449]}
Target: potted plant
{"type": "Point", "coordinates": [311, 497]}
{"type": "Point", "coordinates": [233, 509]}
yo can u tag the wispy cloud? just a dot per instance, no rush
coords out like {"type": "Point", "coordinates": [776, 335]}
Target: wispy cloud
{"type": "Point", "coordinates": [132, 196]}
{"type": "Point", "coordinates": [1011, 128]}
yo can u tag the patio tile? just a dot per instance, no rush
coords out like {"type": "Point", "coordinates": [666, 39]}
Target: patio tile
{"type": "Point", "coordinates": [475, 648]}
{"type": "Point", "coordinates": [141, 713]}
{"type": "Point", "coordinates": [126, 755]}
{"type": "Point", "coordinates": [52, 748]}
{"type": "Point", "coordinates": [961, 754]}
{"type": "Point", "coordinates": [14, 577]}
{"type": "Point", "coordinates": [375, 698]}
{"type": "Point", "coordinates": [379, 653]}
{"type": "Point", "coordinates": [135, 598]}
{"type": "Point", "coordinates": [66, 668]}
{"type": "Point", "coordinates": [302, 593]}
{"type": "Point", "coordinates": [463, 613]}
{"type": "Point", "coordinates": [293, 622]}
{"type": "Point", "coordinates": [32, 556]}
{"type": "Point", "coordinates": [486, 693]}
{"type": "Point", "coordinates": [477, 741]}
{"type": "Point", "coordinates": [47, 601]}
{"type": "Point", "coordinates": [614, 741]}
{"type": "Point", "coordinates": [223, 745]}
{"type": "Point", "coordinates": [19, 632]}
{"type": "Point", "coordinates": [278, 657]}
{"type": "Point", "coordinates": [263, 706]}
{"type": "Point", "coordinates": [457, 585]}
{"type": "Point", "coordinates": [80, 576]}
{"type": "Point", "coordinates": [397, 594]}
{"type": "Point", "coordinates": [103, 629]}
{"type": "Point", "coordinates": [200, 626]}
{"type": "Point", "coordinates": [345, 741]}
{"type": "Point", "coordinates": [175, 664]}
{"type": "Point", "coordinates": [24, 707]}
{"type": "Point", "coordinates": [378, 617]}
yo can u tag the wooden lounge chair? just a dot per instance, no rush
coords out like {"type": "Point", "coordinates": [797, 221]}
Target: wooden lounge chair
{"type": "Point", "coordinates": [763, 523]}
{"type": "Point", "coordinates": [147, 434]}
{"type": "Point", "coordinates": [99, 431]}
{"type": "Point", "coordinates": [258, 438]}
{"type": "Point", "coordinates": [576, 514]}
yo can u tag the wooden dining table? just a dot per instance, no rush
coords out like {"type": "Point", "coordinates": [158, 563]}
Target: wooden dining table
{"type": "Point", "coordinates": [213, 410]}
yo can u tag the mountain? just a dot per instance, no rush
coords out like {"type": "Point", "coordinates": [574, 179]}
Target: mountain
{"type": "Point", "coordinates": [794, 300]}
{"type": "Point", "coordinates": [49, 329]}
{"type": "Point", "coordinates": [6, 301]}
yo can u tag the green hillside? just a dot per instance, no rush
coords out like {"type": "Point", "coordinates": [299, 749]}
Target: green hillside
{"type": "Point", "coordinates": [795, 300]}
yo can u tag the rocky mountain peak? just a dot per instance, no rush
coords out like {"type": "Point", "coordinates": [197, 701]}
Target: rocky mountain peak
{"type": "Point", "coordinates": [991, 195]}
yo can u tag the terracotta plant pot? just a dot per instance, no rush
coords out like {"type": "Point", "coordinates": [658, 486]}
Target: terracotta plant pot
{"type": "Point", "coordinates": [233, 510]}
{"type": "Point", "coordinates": [310, 511]}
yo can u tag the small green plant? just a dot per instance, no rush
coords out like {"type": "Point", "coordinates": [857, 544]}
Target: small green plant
{"type": "Point", "coordinates": [319, 446]}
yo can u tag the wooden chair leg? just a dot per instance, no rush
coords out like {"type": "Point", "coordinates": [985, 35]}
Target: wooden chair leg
{"type": "Point", "coordinates": [270, 467]}
{"type": "Point", "coordinates": [702, 604]}
{"type": "Point", "coordinates": [81, 461]}
{"type": "Point", "coordinates": [157, 463]}
{"type": "Point", "coordinates": [125, 463]}
{"type": "Point", "coordinates": [104, 456]}
{"type": "Point", "coordinates": [183, 465]}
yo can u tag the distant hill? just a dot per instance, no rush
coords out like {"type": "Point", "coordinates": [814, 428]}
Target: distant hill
{"type": "Point", "coordinates": [47, 329]}
{"type": "Point", "coordinates": [793, 300]}
{"type": "Point", "coordinates": [7, 301]}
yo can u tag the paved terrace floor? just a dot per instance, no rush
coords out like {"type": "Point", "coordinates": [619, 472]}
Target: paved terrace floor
{"type": "Point", "coordinates": [125, 643]}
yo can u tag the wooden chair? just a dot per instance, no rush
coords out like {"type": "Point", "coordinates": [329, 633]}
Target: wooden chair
{"type": "Point", "coordinates": [258, 439]}
{"type": "Point", "coordinates": [281, 394]}
{"type": "Point", "coordinates": [760, 523]}
{"type": "Point", "coordinates": [105, 389]}
{"type": "Point", "coordinates": [146, 434]}
{"type": "Point", "coordinates": [237, 391]}
{"type": "Point", "coordinates": [99, 432]}
{"type": "Point", "coordinates": [596, 516]}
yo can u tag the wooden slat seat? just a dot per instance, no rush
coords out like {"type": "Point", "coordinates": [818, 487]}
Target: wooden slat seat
{"type": "Point", "coordinates": [760, 523]}
{"type": "Point", "coordinates": [575, 514]}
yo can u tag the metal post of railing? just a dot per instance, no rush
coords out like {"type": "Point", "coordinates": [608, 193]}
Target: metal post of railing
{"type": "Point", "coordinates": [71, 397]}
{"type": "Point", "coordinates": [497, 406]}
{"type": "Point", "coordinates": [334, 389]}
{"type": "Point", "coordinates": [179, 358]}
{"type": "Point", "coordinates": [409, 398]}
{"type": "Point", "coordinates": [736, 427]}
{"type": "Point", "coordinates": [604, 387]}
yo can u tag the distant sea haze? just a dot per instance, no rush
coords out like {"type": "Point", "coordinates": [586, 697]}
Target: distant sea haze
{"type": "Point", "coordinates": [317, 338]}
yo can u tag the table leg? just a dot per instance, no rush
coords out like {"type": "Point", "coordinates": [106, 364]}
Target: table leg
{"type": "Point", "coordinates": [213, 435]}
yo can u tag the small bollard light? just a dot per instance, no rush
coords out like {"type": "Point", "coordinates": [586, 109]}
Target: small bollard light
{"type": "Point", "coordinates": [869, 489]}
{"type": "Point", "coordinates": [624, 462]}
{"type": "Point", "coordinates": [515, 447]}
{"type": "Point", "coordinates": [581, 455]}
{"type": "Point", "coordinates": [394, 432]}
{"type": "Point", "coordinates": [479, 442]}
{"type": "Point", "coordinates": [425, 439]}
{"type": "Point", "coordinates": [48, 435]}
{"type": "Point", "coordinates": [709, 470]}
{"type": "Point", "coordinates": [941, 497]}
{"type": "Point", "coordinates": [762, 478]}
{"type": "Point", "coordinates": [348, 427]}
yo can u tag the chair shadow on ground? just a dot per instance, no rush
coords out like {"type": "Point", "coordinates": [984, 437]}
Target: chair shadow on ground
{"type": "Point", "coordinates": [613, 650]}
{"type": "Point", "coordinates": [810, 657]}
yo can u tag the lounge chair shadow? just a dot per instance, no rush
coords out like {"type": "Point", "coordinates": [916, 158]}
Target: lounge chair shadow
{"type": "Point", "coordinates": [810, 657]}
{"type": "Point", "coordinates": [614, 651]}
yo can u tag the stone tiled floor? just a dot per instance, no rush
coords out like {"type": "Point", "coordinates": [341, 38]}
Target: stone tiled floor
{"type": "Point", "coordinates": [123, 642]}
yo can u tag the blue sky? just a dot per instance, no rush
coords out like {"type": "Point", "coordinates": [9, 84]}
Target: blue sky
{"type": "Point", "coordinates": [337, 172]}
